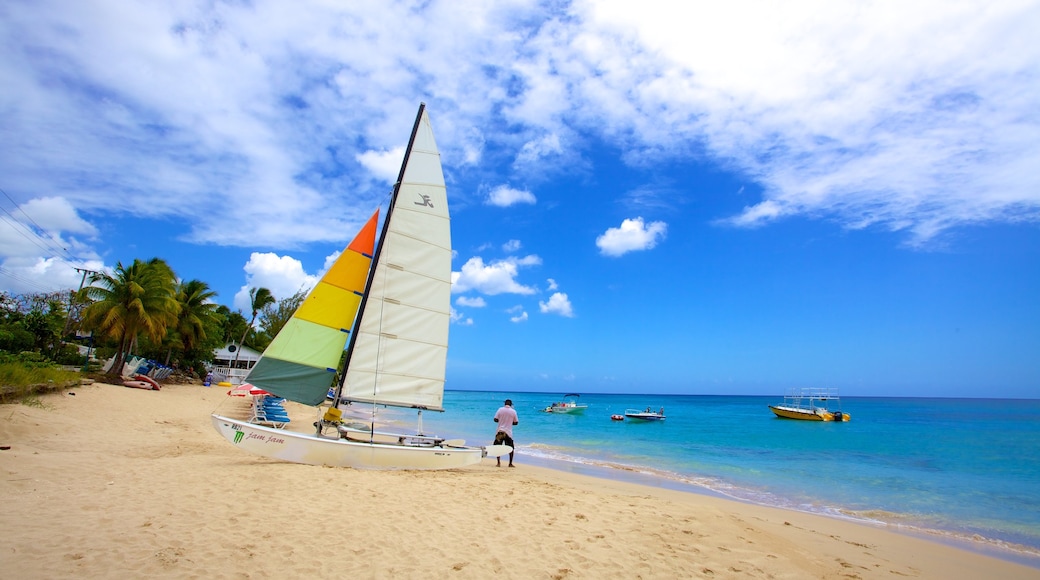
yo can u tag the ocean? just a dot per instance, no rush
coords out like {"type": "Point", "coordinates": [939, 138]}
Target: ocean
{"type": "Point", "coordinates": [958, 470]}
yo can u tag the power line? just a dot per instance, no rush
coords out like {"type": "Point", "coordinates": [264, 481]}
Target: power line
{"type": "Point", "coordinates": [25, 281]}
{"type": "Point", "coordinates": [53, 248]}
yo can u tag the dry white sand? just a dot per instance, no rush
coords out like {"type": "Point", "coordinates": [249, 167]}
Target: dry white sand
{"type": "Point", "coordinates": [113, 482]}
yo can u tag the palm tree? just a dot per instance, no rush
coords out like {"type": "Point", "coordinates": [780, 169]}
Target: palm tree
{"type": "Point", "coordinates": [197, 311]}
{"type": "Point", "coordinates": [259, 298]}
{"type": "Point", "coordinates": [133, 299]}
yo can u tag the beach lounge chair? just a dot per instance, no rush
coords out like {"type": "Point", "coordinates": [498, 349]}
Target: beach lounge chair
{"type": "Point", "coordinates": [269, 411]}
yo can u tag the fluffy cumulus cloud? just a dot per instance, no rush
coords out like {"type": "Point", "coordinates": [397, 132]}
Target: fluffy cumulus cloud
{"type": "Point", "coordinates": [471, 301]}
{"type": "Point", "coordinates": [633, 235]}
{"type": "Point", "coordinates": [497, 277]}
{"type": "Point", "coordinates": [558, 303]}
{"type": "Point", "coordinates": [505, 196]}
{"type": "Point", "coordinates": [282, 275]}
{"type": "Point", "coordinates": [382, 164]}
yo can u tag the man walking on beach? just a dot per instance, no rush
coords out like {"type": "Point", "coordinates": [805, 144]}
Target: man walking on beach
{"type": "Point", "coordinates": [506, 417]}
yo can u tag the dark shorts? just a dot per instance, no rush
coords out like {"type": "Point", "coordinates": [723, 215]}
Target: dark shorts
{"type": "Point", "coordinates": [501, 438]}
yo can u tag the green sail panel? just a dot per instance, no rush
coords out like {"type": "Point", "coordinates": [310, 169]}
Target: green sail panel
{"type": "Point", "coordinates": [308, 344]}
{"type": "Point", "coordinates": [296, 382]}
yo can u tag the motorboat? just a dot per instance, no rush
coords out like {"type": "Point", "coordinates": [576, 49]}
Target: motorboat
{"type": "Point", "coordinates": [568, 406]}
{"type": "Point", "coordinates": [811, 404]}
{"type": "Point", "coordinates": [647, 415]}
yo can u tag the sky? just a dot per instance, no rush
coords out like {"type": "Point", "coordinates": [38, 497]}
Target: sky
{"type": "Point", "coordinates": [724, 198]}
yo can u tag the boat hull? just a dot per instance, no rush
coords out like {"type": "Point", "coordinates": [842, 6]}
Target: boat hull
{"type": "Point", "coordinates": [313, 450]}
{"type": "Point", "coordinates": [644, 415]}
{"type": "Point", "coordinates": [569, 410]}
{"type": "Point", "coordinates": [807, 414]}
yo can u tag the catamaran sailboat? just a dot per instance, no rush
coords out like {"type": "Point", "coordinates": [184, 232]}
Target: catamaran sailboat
{"type": "Point", "coordinates": [387, 304]}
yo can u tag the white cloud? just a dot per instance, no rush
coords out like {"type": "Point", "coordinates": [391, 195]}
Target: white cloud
{"type": "Point", "coordinates": [907, 116]}
{"type": "Point", "coordinates": [535, 151]}
{"type": "Point", "coordinates": [511, 246]}
{"type": "Point", "coordinates": [498, 277]}
{"type": "Point", "coordinates": [56, 214]}
{"type": "Point", "coordinates": [558, 304]}
{"type": "Point", "coordinates": [471, 301]}
{"type": "Point", "coordinates": [383, 164]}
{"type": "Point", "coordinates": [758, 214]}
{"type": "Point", "coordinates": [42, 243]}
{"type": "Point", "coordinates": [460, 318]}
{"type": "Point", "coordinates": [519, 314]}
{"type": "Point", "coordinates": [551, 283]}
{"type": "Point", "coordinates": [633, 235]}
{"type": "Point", "coordinates": [505, 196]}
{"type": "Point", "coordinates": [282, 275]}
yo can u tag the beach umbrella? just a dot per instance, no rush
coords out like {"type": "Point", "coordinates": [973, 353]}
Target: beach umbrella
{"type": "Point", "coordinates": [246, 389]}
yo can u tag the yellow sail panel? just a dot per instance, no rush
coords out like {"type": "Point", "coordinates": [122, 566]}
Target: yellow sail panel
{"type": "Point", "coordinates": [330, 306]}
{"type": "Point", "coordinates": [308, 344]}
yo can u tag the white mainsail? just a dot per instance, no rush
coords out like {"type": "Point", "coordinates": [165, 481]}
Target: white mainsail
{"type": "Point", "coordinates": [399, 354]}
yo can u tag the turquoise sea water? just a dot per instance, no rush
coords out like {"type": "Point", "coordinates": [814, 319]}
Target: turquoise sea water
{"type": "Point", "coordinates": [957, 469]}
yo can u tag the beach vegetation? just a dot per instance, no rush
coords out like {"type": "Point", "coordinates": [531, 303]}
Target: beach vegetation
{"type": "Point", "coordinates": [259, 299]}
{"type": "Point", "coordinates": [23, 375]}
{"type": "Point", "coordinates": [33, 322]}
{"type": "Point", "coordinates": [140, 309]}
{"type": "Point", "coordinates": [275, 316]}
{"type": "Point", "coordinates": [139, 299]}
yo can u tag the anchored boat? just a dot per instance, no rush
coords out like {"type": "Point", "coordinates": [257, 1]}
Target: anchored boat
{"type": "Point", "coordinates": [647, 415]}
{"type": "Point", "coordinates": [568, 406]}
{"type": "Point", "coordinates": [811, 404]}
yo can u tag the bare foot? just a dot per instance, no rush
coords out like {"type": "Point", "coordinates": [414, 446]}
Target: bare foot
{"type": "Point", "coordinates": [511, 465]}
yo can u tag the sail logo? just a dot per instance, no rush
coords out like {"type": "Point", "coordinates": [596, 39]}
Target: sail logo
{"type": "Point", "coordinates": [238, 436]}
{"type": "Point", "coordinates": [425, 201]}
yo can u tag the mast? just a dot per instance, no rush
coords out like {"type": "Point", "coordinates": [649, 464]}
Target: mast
{"type": "Point", "coordinates": [375, 257]}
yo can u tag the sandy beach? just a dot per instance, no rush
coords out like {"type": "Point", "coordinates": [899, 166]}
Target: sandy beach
{"type": "Point", "coordinates": [105, 481]}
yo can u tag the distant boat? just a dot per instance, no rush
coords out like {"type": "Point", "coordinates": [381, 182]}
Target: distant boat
{"type": "Point", "coordinates": [569, 406]}
{"type": "Point", "coordinates": [647, 415]}
{"type": "Point", "coordinates": [811, 404]}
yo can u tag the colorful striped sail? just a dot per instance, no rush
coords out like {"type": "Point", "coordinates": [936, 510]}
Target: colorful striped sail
{"type": "Point", "coordinates": [300, 363]}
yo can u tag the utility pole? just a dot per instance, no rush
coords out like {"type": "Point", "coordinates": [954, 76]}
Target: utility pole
{"type": "Point", "coordinates": [73, 305]}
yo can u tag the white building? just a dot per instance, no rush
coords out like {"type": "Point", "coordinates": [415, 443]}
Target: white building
{"type": "Point", "coordinates": [225, 366]}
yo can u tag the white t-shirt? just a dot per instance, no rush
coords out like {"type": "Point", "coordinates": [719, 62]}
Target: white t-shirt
{"type": "Point", "coordinates": [505, 417]}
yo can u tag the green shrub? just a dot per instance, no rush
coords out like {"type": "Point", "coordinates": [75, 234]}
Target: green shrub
{"type": "Point", "coordinates": [23, 375]}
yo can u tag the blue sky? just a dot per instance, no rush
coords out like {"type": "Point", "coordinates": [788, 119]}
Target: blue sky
{"type": "Point", "coordinates": [739, 199]}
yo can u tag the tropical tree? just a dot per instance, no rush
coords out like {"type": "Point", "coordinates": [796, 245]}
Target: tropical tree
{"type": "Point", "coordinates": [232, 324]}
{"type": "Point", "coordinates": [32, 321]}
{"type": "Point", "coordinates": [134, 299]}
{"type": "Point", "coordinates": [276, 315]}
{"type": "Point", "coordinates": [197, 313]}
{"type": "Point", "coordinates": [259, 298]}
